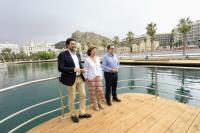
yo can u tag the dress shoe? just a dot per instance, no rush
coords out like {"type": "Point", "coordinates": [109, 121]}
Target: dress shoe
{"type": "Point", "coordinates": [75, 119]}
{"type": "Point", "coordinates": [116, 99]}
{"type": "Point", "coordinates": [85, 116]}
{"type": "Point", "coordinates": [109, 103]}
{"type": "Point", "coordinates": [101, 106]}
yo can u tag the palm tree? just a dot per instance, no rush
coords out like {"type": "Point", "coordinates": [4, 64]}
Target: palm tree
{"type": "Point", "coordinates": [13, 56]}
{"type": "Point", "coordinates": [178, 43]}
{"type": "Point", "coordinates": [151, 31]}
{"type": "Point", "coordinates": [116, 41]}
{"type": "Point", "coordinates": [3, 60]}
{"type": "Point", "coordinates": [130, 38]}
{"type": "Point", "coordinates": [6, 53]}
{"type": "Point", "coordinates": [172, 34]}
{"type": "Point", "coordinates": [138, 44]}
{"type": "Point", "coordinates": [145, 42]}
{"type": "Point", "coordinates": [104, 44]}
{"type": "Point", "coordinates": [184, 26]}
{"type": "Point", "coordinates": [21, 56]}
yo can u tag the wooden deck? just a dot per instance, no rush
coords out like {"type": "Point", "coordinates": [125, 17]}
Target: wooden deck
{"type": "Point", "coordinates": [137, 113]}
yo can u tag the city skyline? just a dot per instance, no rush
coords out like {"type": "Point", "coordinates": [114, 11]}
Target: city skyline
{"type": "Point", "coordinates": [25, 20]}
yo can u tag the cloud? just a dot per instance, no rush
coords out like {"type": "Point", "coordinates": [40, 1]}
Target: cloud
{"type": "Point", "coordinates": [55, 20]}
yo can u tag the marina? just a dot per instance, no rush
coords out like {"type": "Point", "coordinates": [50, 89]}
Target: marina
{"type": "Point", "coordinates": [40, 99]}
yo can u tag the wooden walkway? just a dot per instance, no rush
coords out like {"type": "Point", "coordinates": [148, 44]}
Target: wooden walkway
{"type": "Point", "coordinates": [137, 113]}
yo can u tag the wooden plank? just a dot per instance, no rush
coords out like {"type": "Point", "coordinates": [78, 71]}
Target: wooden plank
{"type": "Point", "coordinates": [161, 125]}
{"type": "Point", "coordinates": [195, 127]}
{"type": "Point", "coordinates": [135, 117]}
{"type": "Point", "coordinates": [106, 123]}
{"type": "Point", "coordinates": [115, 111]}
{"type": "Point", "coordinates": [136, 113]}
{"type": "Point", "coordinates": [184, 121]}
{"type": "Point", "coordinates": [58, 123]}
{"type": "Point", "coordinates": [151, 119]}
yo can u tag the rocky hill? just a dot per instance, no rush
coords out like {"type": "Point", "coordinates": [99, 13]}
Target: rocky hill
{"type": "Point", "coordinates": [85, 39]}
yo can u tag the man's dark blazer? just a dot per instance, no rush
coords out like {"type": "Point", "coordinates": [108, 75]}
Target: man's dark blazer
{"type": "Point", "coordinates": [66, 67]}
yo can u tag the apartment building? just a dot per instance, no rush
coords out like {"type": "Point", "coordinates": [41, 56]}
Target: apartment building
{"type": "Point", "coordinates": [193, 37]}
{"type": "Point", "coordinates": [33, 47]}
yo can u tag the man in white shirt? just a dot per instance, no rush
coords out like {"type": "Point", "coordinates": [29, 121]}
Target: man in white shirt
{"type": "Point", "coordinates": [69, 64]}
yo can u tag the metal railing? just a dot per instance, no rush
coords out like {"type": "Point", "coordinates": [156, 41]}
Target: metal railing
{"type": "Point", "coordinates": [62, 107]}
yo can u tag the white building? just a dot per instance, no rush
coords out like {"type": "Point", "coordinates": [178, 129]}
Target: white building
{"type": "Point", "coordinates": [139, 45]}
{"type": "Point", "coordinates": [12, 46]}
{"type": "Point", "coordinates": [163, 38]}
{"type": "Point", "coordinates": [143, 46]}
{"type": "Point", "coordinates": [193, 37]}
{"type": "Point", "coordinates": [32, 47]}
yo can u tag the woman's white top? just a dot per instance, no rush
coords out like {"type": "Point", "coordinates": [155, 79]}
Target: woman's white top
{"type": "Point", "coordinates": [92, 69]}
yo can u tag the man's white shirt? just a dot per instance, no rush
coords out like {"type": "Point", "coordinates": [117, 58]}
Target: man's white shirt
{"type": "Point", "coordinates": [76, 60]}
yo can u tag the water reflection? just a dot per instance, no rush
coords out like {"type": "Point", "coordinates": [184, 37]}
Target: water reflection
{"type": "Point", "coordinates": [131, 84]}
{"type": "Point", "coordinates": [4, 70]}
{"type": "Point", "coordinates": [184, 78]}
{"type": "Point", "coordinates": [150, 91]}
{"type": "Point", "coordinates": [183, 91]}
{"type": "Point", "coordinates": [190, 74]}
{"type": "Point", "coordinates": [126, 74]}
{"type": "Point", "coordinates": [19, 73]}
{"type": "Point", "coordinates": [152, 84]}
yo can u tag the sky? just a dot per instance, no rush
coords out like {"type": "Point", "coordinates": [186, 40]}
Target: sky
{"type": "Point", "coordinates": [56, 20]}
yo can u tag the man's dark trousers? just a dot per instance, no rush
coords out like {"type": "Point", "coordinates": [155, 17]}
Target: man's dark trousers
{"type": "Point", "coordinates": [111, 82]}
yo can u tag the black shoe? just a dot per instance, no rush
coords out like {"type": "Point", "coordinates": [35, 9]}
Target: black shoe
{"type": "Point", "coordinates": [116, 99]}
{"type": "Point", "coordinates": [85, 116]}
{"type": "Point", "coordinates": [108, 103]}
{"type": "Point", "coordinates": [75, 119]}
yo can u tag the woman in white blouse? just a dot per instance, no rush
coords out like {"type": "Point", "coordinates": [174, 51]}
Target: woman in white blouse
{"type": "Point", "coordinates": [93, 76]}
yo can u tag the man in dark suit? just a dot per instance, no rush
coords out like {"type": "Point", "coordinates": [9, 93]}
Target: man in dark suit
{"type": "Point", "coordinates": [69, 64]}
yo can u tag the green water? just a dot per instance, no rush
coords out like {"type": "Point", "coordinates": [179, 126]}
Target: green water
{"type": "Point", "coordinates": [20, 98]}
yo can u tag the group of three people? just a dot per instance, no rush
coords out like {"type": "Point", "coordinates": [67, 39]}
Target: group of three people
{"type": "Point", "coordinates": [73, 74]}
